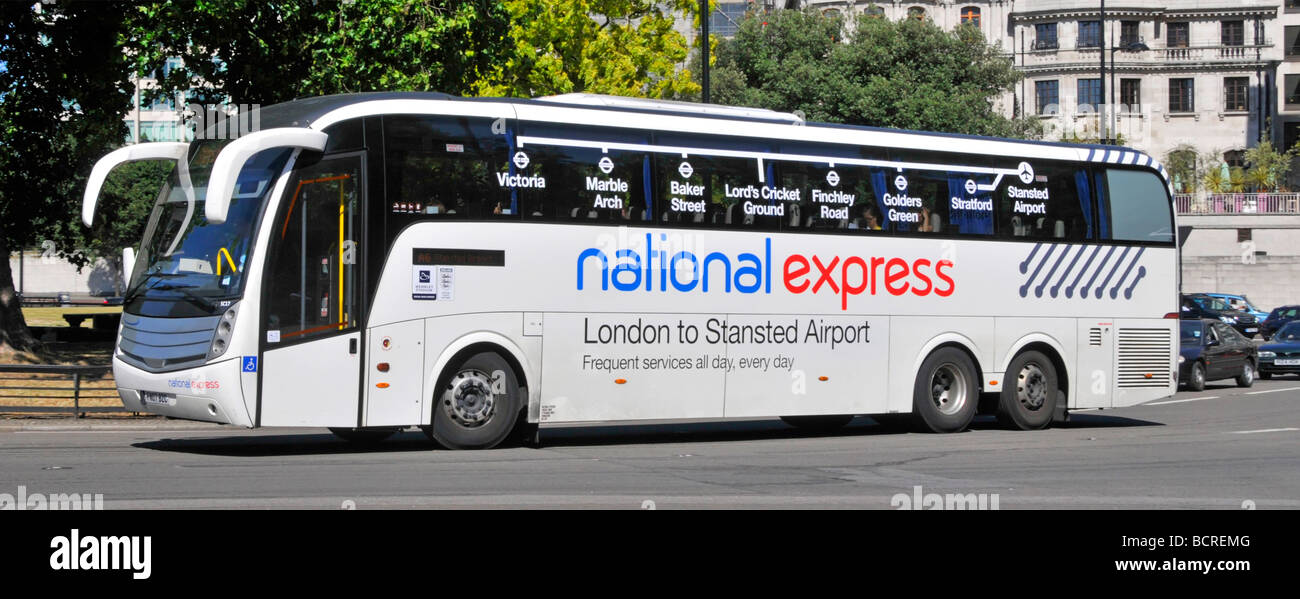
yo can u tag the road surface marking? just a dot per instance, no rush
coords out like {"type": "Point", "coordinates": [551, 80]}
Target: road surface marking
{"type": "Point", "coordinates": [1265, 430]}
{"type": "Point", "coordinates": [1162, 403]}
{"type": "Point", "coordinates": [1273, 390]}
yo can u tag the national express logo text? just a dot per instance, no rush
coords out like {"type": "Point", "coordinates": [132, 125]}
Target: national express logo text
{"type": "Point", "coordinates": [751, 272]}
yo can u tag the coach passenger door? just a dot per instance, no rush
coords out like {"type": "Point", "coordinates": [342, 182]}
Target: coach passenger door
{"type": "Point", "coordinates": [312, 346]}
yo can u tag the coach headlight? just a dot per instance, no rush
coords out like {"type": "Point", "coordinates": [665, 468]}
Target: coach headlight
{"type": "Point", "coordinates": [225, 327]}
{"type": "Point", "coordinates": [1267, 354]}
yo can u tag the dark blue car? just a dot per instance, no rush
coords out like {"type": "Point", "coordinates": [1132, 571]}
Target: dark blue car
{"type": "Point", "coordinates": [1282, 354]}
{"type": "Point", "coordinates": [1211, 350]}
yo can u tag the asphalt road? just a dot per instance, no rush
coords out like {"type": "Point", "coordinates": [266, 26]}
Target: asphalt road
{"type": "Point", "coordinates": [1224, 448]}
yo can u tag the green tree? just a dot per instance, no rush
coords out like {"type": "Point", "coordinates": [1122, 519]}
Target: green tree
{"type": "Point", "coordinates": [862, 70]}
{"type": "Point", "coordinates": [256, 52]}
{"type": "Point", "coordinates": [1184, 167]}
{"type": "Point", "coordinates": [1268, 167]}
{"type": "Point", "coordinates": [619, 47]}
{"type": "Point", "coordinates": [63, 91]}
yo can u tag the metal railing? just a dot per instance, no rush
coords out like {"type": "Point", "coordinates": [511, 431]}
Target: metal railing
{"type": "Point", "coordinates": [1237, 203]}
{"type": "Point", "coordinates": [61, 383]}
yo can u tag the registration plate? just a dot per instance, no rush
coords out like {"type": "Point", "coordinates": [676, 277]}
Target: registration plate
{"type": "Point", "coordinates": [158, 399]}
{"type": "Point", "coordinates": [1291, 362]}
{"type": "Point", "coordinates": [1252, 330]}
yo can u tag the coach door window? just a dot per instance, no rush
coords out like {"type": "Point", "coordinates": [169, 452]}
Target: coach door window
{"type": "Point", "coordinates": [312, 276]}
{"type": "Point", "coordinates": [443, 167]}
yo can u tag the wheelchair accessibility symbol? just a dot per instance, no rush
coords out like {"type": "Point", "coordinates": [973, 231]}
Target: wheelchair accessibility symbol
{"type": "Point", "coordinates": [250, 363]}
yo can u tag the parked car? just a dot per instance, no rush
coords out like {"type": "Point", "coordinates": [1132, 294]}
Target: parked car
{"type": "Point", "coordinates": [1199, 305]}
{"type": "Point", "coordinates": [1278, 318]}
{"type": "Point", "coordinates": [1241, 303]}
{"type": "Point", "coordinates": [1211, 350]}
{"type": "Point", "coordinates": [1282, 355]}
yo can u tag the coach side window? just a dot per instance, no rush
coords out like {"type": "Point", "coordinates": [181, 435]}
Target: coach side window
{"type": "Point", "coordinates": [1055, 204]}
{"type": "Point", "coordinates": [705, 189]}
{"type": "Point", "coordinates": [591, 174]}
{"type": "Point", "coordinates": [1137, 207]}
{"type": "Point", "coordinates": [446, 168]}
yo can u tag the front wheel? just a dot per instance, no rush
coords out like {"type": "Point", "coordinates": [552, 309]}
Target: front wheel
{"type": "Point", "coordinates": [1028, 401]}
{"type": "Point", "coordinates": [946, 392]}
{"type": "Point", "coordinates": [1247, 376]}
{"type": "Point", "coordinates": [477, 404]}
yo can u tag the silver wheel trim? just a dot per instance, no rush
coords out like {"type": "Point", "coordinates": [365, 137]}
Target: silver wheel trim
{"type": "Point", "coordinates": [1248, 372]}
{"type": "Point", "coordinates": [469, 399]}
{"type": "Point", "coordinates": [1031, 387]}
{"type": "Point", "coordinates": [1198, 374]}
{"type": "Point", "coordinates": [948, 389]}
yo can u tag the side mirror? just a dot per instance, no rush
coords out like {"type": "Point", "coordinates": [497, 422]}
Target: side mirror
{"type": "Point", "coordinates": [128, 264]}
{"type": "Point", "coordinates": [1210, 342]}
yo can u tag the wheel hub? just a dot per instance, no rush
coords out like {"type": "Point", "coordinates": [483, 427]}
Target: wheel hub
{"type": "Point", "coordinates": [1031, 387]}
{"type": "Point", "coordinates": [948, 389]}
{"type": "Point", "coordinates": [469, 398]}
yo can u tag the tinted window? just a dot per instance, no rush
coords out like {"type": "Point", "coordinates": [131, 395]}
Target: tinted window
{"type": "Point", "coordinates": [1139, 207]}
{"type": "Point", "coordinates": [1056, 204]}
{"type": "Point", "coordinates": [1290, 332]}
{"type": "Point", "coordinates": [448, 168]}
{"type": "Point", "coordinates": [713, 190]}
{"type": "Point", "coordinates": [1191, 332]}
{"type": "Point", "coordinates": [585, 180]}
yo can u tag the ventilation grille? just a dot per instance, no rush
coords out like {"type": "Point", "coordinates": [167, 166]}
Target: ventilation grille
{"type": "Point", "coordinates": [1094, 337]}
{"type": "Point", "coordinates": [1144, 358]}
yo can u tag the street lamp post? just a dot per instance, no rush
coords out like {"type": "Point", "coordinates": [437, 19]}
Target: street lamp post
{"type": "Point", "coordinates": [704, 49]}
{"type": "Point", "coordinates": [1101, 81]}
{"type": "Point", "coordinates": [1136, 46]}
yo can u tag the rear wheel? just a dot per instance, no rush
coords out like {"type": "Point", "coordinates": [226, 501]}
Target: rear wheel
{"type": "Point", "coordinates": [1028, 401]}
{"type": "Point", "coordinates": [363, 436]}
{"type": "Point", "coordinates": [1247, 376]}
{"type": "Point", "coordinates": [946, 392]}
{"type": "Point", "coordinates": [1196, 378]}
{"type": "Point", "coordinates": [477, 404]}
{"type": "Point", "coordinates": [818, 423]}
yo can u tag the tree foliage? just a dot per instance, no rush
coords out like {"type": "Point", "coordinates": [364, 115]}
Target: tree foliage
{"type": "Point", "coordinates": [908, 74]}
{"type": "Point", "coordinates": [63, 90]}
{"type": "Point", "coordinates": [619, 47]}
{"type": "Point", "coordinates": [254, 52]}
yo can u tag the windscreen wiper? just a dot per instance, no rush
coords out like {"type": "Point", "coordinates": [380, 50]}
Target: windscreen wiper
{"type": "Point", "coordinates": [184, 290]}
{"type": "Point", "coordinates": [130, 293]}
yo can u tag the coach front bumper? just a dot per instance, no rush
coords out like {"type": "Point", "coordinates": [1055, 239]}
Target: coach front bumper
{"type": "Point", "coordinates": [209, 393]}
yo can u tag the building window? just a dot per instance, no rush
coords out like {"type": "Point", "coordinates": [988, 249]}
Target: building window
{"type": "Point", "coordinates": [1089, 34]}
{"type": "Point", "coordinates": [1233, 33]}
{"type": "Point", "coordinates": [1235, 158]}
{"type": "Point", "coordinates": [971, 15]}
{"type": "Point", "coordinates": [1178, 35]}
{"type": "Point", "coordinates": [1130, 95]}
{"type": "Point", "coordinates": [1181, 95]}
{"type": "Point", "coordinates": [1045, 36]}
{"type": "Point", "coordinates": [1089, 95]}
{"type": "Point", "coordinates": [1047, 96]}
{"type": "Point", "coordinates": [1235, 93]}
{"type": "Point", "coordinates": [916, 13]}
{"type": "Point", "coordinates": [1128, 33]}
{"type": "Point", "coordinates": [726, 18]}
{"type": "Point", "coordinates": [875, 12]}
{"type": "Point", "coordinates": [1243, 235]}
{"type": "Point", "coordinates": [1292, 40]}
{"type": "Point", "coordinates": [1292, 91]}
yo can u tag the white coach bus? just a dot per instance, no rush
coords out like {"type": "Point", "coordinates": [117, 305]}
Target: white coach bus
{"type": "Point", "coordinates": [477, 267]}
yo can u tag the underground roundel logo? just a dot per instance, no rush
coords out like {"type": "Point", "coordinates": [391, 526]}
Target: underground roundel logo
{"type": "Point", "coordinates": [901, 183]}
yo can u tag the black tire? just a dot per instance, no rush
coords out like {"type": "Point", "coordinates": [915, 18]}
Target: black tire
{"type": "Point", "coordinates": [1265, 375]}
{"type": "Point", "coordinates": [1030, 392]}
{"type": "Point", "coordinates": [477, 404]}
{"type": "Point", "coordinates": [1247, 376]}
{"type": "Point", "coordinates": [946, 393]}
{"type": "Point", "coordinates": [364, 436]}
{"type": "Point", "coordinates": [818, 423]}
{"type": "Point", "coordinates": [1196, 377]}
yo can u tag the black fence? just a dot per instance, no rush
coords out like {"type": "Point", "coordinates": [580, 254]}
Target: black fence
{"type": "Point", "coordinates": [68, 383]}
